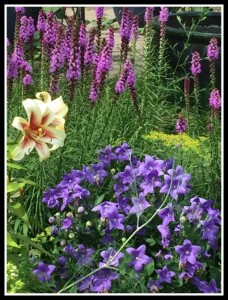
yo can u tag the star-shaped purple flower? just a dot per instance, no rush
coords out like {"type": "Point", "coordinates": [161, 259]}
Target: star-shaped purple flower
{"type": "Point", "coordinates": [67, 223]}
{"type": "Point", "coordinates": [139, 205]}
{"type": "Point", "coordinates": [167, 214]}
{"type": "Point", "coordinates": [188, 252]}
{"type": "Point", "coordinates": [106, 155]}
{"type": "Point", "coordinates": [138, 257]}
{"type": "Point", "coordinates": [43, 271]}
{"type": "Point", "coordinates": [165, 274]}
{"type": "Point", "coordinates": [107, 256]}
{"type": "Point", "coordinates": [103, 280]}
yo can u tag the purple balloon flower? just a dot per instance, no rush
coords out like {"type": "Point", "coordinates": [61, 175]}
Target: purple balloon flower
{"type": "Point", "coordinates": [106, 156]}
{"type": "Point", "coordinates": [167, 214]}
{"type": "Point", "coordinates": [83, 255]}
{"type": "Point", "coordinates": [165, 275]}
{"type": "Point", "coordinates": [103, 280]}
{"type": "Point", "coordinates": [188, 252]}
{"type": "Point", "coordinates": [138, 257]}
{"type": "Point", "coordinates": [62, 260]}
{"type": "Point", "coordinates": [67, 223]}
{"type": "Point", "coordinates": [107, 256]}
{"type": "Point", "coordinates": [139, 205]}
{"type": "Point", "coordinates": [43, 271]}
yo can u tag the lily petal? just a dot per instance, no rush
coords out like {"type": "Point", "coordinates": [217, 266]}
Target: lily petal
{"type": "Point", "coordinates": [58, 122]}
{"type": "Point", "coordinates": [58, 107]}
{"type": "Point", "coordinates": [25, 146]}
{"type": "Point", "coordinates": [19, 123]}
{"type": "Point", "coordinates": [46, 96]}
{"type": "Point", "coordinates": [33, 112]}
{"type": "Point", "coordinates": [47, 117]}
{"type": "Point", "coordinates": [53, 136]}
{"type": "Point", "coordinates": [42, 150]}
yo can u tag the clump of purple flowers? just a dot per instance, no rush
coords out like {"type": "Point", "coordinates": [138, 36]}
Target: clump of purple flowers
{"type": "Point", "coordinates": [120, 212]}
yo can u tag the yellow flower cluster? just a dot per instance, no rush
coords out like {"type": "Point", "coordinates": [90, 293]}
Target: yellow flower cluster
{"type": "Point", "coordinates": [184, 141]}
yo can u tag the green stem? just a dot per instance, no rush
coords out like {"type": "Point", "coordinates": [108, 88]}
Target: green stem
{"type": "Point", "coordinates": [105, 125]}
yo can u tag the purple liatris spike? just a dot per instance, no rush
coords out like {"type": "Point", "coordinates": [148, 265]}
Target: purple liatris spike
{"type": "Point", "coordinates": [99, 12]}
{"type": "Point", "coordinates": [186, 87]}
{"type": "Point", "coordinates": [93, 91]}
{"type": "Point", "coordinates": [20, 9]}
{"type": "Point", "coordinates": [27, 80]}
{"type": "Point", "coordinates": [149, 14]}
{"type": "Point", "coordinates": [50, 29]}
{"type": "Point", "coordinates": [111, 37]}
{"type": "Point", "coordinates": [41, 22]}
{"type": "Point", "coordinates": [12, 71]}
{"type": "Point", "coordinates": [131, 75]}
{"type": "Point", "coordinates": [135, 28]}
{"type": "Point", "coordinates": [31, 27]}
{"type": "Point", "coordinates": [69, 38]}
{"type": "Point", "coordinates": [73, 72]}
{"type": "Point", "coordinates": [82, 36]}
{"type": "Point", "coordinates": [18, 55]}
{"type": "Point", "coordinates": [164, 15]}
{"type": "Point", "coordinates": [215, 99]}
{"type": "Point", "coordinates": [27, 28]}
{"type": "Point", "coordinates": [196, 65]}
{"type": "Point", "coordinates": [57, 55]}
{"type": "Point", "coordinates": [122, 82]}
{"type": "Point", "coordinates": [181, 125]}
{"type": "Point", "coordinates": [104, 63]}
{"type": "Point", "coordinates": [88, 57]}
{"type": "Point", "coordinates": [126, 24]}
{"type": "Point", "coordinates": [23, 29]}
{"type": "Point", "coordinates": [213, 49]}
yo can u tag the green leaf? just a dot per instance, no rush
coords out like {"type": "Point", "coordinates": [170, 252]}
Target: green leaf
{"type": "Point", "coordinates": [16, 225]}
{"type": "Point", "coordinates": [47, 9]}
{"type": "Point", "coordinates": [149, 269]}
{"type": "Point", "coordinates": [15, 166]}
{"type": "Point", "coordinates": [35, 222]}
{"type": "Point", "coordinates": [11, 242]}
{"type": "Point", "coordinates": [151, 241]}
{"type": "Point", "coordinates": [25, 229]}
{"type": "Point", "coordinates": [27, 181]}
{"type": "Point", "coordinates": [99, 199]}
{"type": "Point", "coordinates": [35, 245]}
{"type": "Point", "coordinates": [215, 274]}
{"type": "Point", "coordinates": [14, 186]}
{"type": "Point", "coordinates": [19, 210]}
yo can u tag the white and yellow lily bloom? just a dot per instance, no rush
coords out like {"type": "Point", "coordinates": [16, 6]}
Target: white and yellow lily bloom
{"type": "Point", "coordinates": [45, 125]}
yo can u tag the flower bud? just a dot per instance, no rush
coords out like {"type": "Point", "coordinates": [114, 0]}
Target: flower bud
{"type": "Point", "coordinates": [182, 219]}
{"type": "Point", "coordinates": [51, 220]}
{"type": "Point", "coordinates": [63, 243]}
{"type": "Point", "coordinates": [81, 209]}
{"type": "Point", "coordinates": [70, 215]}
{"type": "Point", "coordinates": [89, 224]}
{"type": "Point", "coordinates": [71, 235]}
